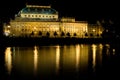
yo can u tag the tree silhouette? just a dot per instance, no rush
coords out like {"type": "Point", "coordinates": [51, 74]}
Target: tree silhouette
{"type": "Point", "coordinates": [91, 34]}
{"type": "Point", "coordinates": [32, 33]}
{"type": "Point", "coordinates": [68, 34]}
{"type": "Point", "coordinates": [86, 34]}
{"type": "Point", "coordinates": [47, 34]}
{"type": "Point", "coordinates": [75, 34]}
{"type": "Point", "coordinates": [55, 34]}
{"type": "Point", "coordinates": [40, 33]}
{"type": "Point", "coordinates": [62, 34]}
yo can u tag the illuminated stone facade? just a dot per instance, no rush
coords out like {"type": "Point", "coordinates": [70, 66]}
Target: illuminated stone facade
{"type": "Point", "coordinates": [44, 21]}
{"type": "Point", "coordinates": [95, 30]}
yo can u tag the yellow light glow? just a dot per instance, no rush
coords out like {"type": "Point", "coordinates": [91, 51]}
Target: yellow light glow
{"type": "Point", "coordinates": [93, 30]}
{"type": "Point", "coordinates": [107, 49]}
{"type": "Point", "coordinates": [8, 59]}
{"type": "Point", "coordinates": [100, 52]}
{"type": "Point", "coordinates": [35, 28]}
{"type": "Point", "coordinates": [8, 26]}
{"type": "Point", "coordinates": [57, 58]}
{"type": "Point", "coordinates": [35, 59]}
{"type": "Point", "coordinates": [94, 55]}
{"type": "Point", "coordinates": [113, 51]}
{"type": "Point", "coordinates": [77, 56]}
{"type": "Point", "coordinates": [101, 46]}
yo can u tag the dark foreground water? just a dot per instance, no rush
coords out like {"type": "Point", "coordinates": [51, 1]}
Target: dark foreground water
{"type": "Point", "coordinates": [60, 62]}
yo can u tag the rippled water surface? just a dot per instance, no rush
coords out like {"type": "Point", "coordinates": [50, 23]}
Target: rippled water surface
{"type": "Point", "coordinates": [60, 62]}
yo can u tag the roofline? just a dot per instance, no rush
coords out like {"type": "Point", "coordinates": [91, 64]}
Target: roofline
{"type": "Point", "coordinates": [38, 6]}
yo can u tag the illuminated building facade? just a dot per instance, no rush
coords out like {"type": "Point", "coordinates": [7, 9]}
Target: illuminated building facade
{"type": "Point", "coordinates": [42, 21]}
{"type": "Point", "coordinates": [95, 30]}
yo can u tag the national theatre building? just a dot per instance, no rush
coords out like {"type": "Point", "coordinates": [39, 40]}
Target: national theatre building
{"type": "Point", "coordinates": [44, 21]}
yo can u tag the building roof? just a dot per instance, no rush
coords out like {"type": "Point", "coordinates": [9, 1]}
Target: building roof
{"type": "Point", "coordinates": [33, 9]}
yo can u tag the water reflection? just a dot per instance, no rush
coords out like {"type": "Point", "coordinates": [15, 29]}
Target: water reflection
{"type": "Point", "coordinates": [113, 51]}
{"type": "Point", "coordinates": [77, 57]}
{"type": "Point", "coordinates": [107, 49]}
{"type": "Point", "coordinates": [47, 61]}
{"type": "Point", "coordinates": [94, 55]}
{"type": "Point", "coordinates": [8, 59]}
{"type": "Point", "coordinates": [35, 59]}
{"type": "Point", "coordinates": [57, 58]}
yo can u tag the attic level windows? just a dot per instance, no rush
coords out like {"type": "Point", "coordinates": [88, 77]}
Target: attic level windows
{"type": "Point", "coordinates": [38, 16]}
{"type": "Point", "coordinates": [28, 15]}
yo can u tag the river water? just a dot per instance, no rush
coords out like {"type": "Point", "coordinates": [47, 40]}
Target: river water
{"type": "Point", "coordinates": [60, 62]}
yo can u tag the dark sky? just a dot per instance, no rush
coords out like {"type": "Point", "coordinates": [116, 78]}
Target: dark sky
{"type": "Point", "coordinates": [80, 9]}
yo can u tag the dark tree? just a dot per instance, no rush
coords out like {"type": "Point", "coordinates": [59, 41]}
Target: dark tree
{"type": "Point", "coordinates": [68, 34]}
{"type": "Point", "coordinates": [91, 34]}
{"type": "Point", "coordinates": [62, 34]}
{"type": "Point", "coordinates": [75, 34]}
{"type": "Point", "coordinates": [55, 34]}
{"type": "Point", "coordinates": [86, 34]}
{"type": "Point", "coordinates": [32, 33]}
{"type": "Point", "coordinates": [40, 33]}
{"type": "Point", "coordinates": [47, 34]}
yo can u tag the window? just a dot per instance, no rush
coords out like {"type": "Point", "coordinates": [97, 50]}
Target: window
{"type": "Point", "coordinates": [25, 15]}
{"type": "Point", "coordinates": [28, 15]}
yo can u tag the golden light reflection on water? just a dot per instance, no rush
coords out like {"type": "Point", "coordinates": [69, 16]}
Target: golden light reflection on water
{"type": "Point", "coordinates": [83, 56]}
{"type": "Point", "coordinates": [94, 55]}
{"type": "Point", "coordinates": [113, 51]}
{"type": "Point", "coordinates": [100, 52]}
{"type": "Point", "coordinates": [77, 56]}
{"type": "Point", "coordinates": [35, 59]}
{"type": "Point", "coordinates": [107, 49]}
{"type": "Point", "coordinates": [8, 59]}
{"type": "Point", "coordinates": [47, 60]}
{"type": "Point", "coordinates": [57, 58]}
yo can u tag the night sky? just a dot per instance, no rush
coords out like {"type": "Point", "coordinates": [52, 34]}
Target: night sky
{"type": "Point", "coordinates": [88, 10]}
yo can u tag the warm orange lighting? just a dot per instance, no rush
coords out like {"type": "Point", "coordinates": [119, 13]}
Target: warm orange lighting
{"type": "Point", "coordinates": [93, 30]}
{"type": "Point", "coordinates": [101, 46]}
{"type": "Point", "coordinates": [8, 59]}
{"type": "Point", "coordinates": [8, 26]}
{"type": "Point", "coordinates": [94, 55]}
{"type": "Point", "coordinates": [57, 58]}
{"type": "Point", "coordinates": [77, 56]}
{"type": "Point", "coordinates": [35, 59]}
{"type": "Point", "coordinates": [107, 49]}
